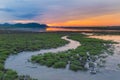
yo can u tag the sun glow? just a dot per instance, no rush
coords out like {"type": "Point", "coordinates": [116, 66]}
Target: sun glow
{"type": "Point", "coordinates": [105, 20]}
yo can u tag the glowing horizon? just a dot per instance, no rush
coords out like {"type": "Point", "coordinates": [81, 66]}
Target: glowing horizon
{"type": "Point", "coordinates": [106, 20]}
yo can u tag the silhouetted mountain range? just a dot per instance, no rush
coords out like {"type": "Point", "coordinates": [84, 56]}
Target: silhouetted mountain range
{"type": "Point", "coordinates": [20, 25]}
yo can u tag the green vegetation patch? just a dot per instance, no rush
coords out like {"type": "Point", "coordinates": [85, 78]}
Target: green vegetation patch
{"type": "Point", "coordinates": [13, 43]}
{"type": "Point", "coordinates": [76, 59]}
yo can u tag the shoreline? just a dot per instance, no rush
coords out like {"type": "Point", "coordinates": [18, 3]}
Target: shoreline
{"type": "Point", "coordinates": [25, 31]}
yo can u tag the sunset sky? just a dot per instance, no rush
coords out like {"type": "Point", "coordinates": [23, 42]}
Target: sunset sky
{"type": "Point", "coordinates": [61, 12]}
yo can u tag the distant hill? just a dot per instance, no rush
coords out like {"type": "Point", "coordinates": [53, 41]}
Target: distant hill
{"type": "Point", "coordinates": [20, 25]}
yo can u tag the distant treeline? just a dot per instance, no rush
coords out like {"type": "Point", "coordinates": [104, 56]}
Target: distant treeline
{"type": "Point", "coordinates": [20, 25]}
{"type": "Point", "coordinates": [94, 28]}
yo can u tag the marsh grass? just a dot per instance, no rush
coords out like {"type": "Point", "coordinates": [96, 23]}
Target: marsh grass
{"type": "Point", "coordinates": [77, 57]}
{"type": "Point", "coordinates": [13, 43]}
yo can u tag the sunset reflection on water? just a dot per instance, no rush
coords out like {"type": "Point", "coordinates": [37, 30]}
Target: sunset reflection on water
{"type": "Point", "coordinates": [64, 29]}
{"type": "Point", "coordinates": [115, 38]}
{"type": "Point", "coordinates": [54, 29]}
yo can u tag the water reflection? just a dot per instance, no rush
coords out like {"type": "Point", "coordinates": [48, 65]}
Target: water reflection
{"type": "Point", "coordinates": [112, 61]}
{"type": "Point", "coordinates": [108, 37]}
{"type": "Point", "coordinates": [78, 30]}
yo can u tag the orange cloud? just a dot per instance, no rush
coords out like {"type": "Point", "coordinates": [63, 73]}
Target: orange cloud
{"type": "Point", "coordinates": [105, 20]}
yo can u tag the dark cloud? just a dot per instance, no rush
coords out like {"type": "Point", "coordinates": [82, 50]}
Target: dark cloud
{"type": "Point", "coordinates": [27, 15]}
{"type": "Point", "coordinates": [6, 10]}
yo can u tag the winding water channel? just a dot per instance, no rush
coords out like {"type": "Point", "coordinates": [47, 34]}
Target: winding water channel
{"type": "Point", "coordinates": [20, 64]}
